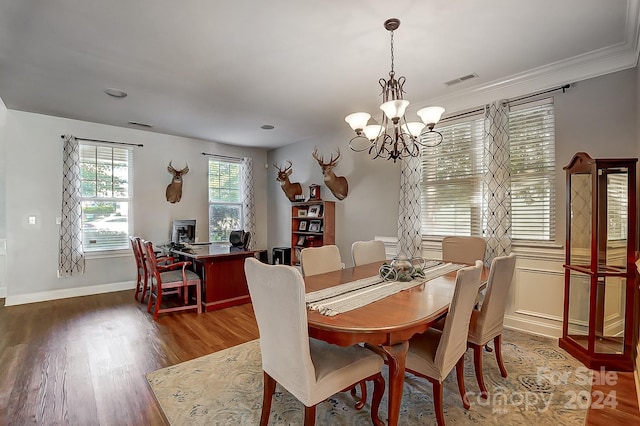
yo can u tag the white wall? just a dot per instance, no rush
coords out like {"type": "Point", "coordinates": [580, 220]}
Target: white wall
{"type": "Point", "coordinates": [370, 209]}
{"type": "Point", "coordinates": [34, 184]}
{"type": "Point", "coordinates": [598, 116]}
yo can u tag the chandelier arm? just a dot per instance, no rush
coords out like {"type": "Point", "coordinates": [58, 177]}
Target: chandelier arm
{"type": "Point", "coordinates": [371, 143]}
{"type": "Point", "coordinates": [439, 138]}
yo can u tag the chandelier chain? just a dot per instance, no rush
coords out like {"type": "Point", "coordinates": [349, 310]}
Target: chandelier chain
{"type": "Point", "coordinates": [392, 72]}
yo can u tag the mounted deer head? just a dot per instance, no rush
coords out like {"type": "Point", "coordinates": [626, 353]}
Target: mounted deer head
{"type": "Point", "coordinates": [338, 185]}
{"type": "Point", "coordinates": [290, 189]}
{"type": "Point", "coordinates": [174, 190]}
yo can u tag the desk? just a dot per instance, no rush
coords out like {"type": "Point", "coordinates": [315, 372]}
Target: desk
{"type": "Point", "coordinates": [388, 323]}
{"type": "Point", "coordinates": [221, 269]}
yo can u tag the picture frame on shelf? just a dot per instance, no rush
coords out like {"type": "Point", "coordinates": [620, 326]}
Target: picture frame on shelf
{"type": "Point", "coordinates": [315, 210]}
{"type": "Point", "coordinates": [300, 240]}
{"type": "Point", "coordinates": [314, 226]}
{"type": "Point", "coordinates": [314, 192]}
{"type": "Point", "coordinates": [302, 213]}
{"type": "Point", "coordinates": [302, 226]}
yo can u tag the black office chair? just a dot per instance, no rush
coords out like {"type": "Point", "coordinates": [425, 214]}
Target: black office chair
{"type": "Point", "coordinates": [240, 239]}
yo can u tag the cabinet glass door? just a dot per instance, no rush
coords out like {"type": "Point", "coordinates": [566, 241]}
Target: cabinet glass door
{"type": "Point", "coordinates": [580, 223]}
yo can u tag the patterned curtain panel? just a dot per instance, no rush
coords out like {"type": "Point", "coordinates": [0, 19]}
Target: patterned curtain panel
{"type": "Point", "coordinates": [248, 199]}
{"type": "Point", "coordinates": [71, 256]}
{"type": "Point", "coordinates": [409, 235]}
{"type": "Point", "coordinates": [497, 181]}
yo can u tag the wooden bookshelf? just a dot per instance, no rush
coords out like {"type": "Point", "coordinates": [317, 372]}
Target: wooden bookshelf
{"type": "Point", "coordinates": [313, 224]}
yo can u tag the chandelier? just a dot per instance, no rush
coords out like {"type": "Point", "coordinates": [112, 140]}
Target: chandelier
{"type": "Point", "coordinates": [395, 137]}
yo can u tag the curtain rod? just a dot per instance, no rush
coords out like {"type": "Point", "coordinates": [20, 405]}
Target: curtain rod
{"type": "Point", "coordinates": [475, 111]}
{"type": "Point", "coordinates": [227, 157]}
{"type": "Point", "coordinates": [100, 140]}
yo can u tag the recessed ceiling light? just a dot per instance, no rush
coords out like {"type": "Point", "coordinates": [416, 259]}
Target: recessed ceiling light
{"type": "Point", "coordinates": [116, 93]}
{"type": "Point", "coordinates": [267, 127]}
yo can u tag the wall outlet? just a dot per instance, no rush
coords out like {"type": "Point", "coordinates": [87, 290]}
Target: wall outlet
{"type": "Point", "coordinates": [32, 220]}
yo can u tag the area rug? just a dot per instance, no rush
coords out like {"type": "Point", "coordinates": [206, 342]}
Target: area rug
{"type": "Point", "coordinates": [545, 386]}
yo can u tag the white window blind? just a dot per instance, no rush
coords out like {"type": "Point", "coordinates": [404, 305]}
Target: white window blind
{"type": "Point", "coordinates": [532, 149]}
{"type": "Point", "coordinates": [225, 199]}
{"type": "Point", "coordinates": [107, 180]}
{"type": "Point", "coordinates": [451, 181]}
{"type": "Point", "coordinates": [452, 176]}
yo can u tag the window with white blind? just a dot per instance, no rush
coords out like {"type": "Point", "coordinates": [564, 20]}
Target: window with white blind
{"type": "Point", "coordinates": [452, 176]}
{"type": "Point", "coordinates": [532, 149]}
{"type": "Point", "coordinates": [452, 181]}
{"type": "Point", "coordinates": [225, 199]}
{"type": "Point", "coordinates": [107, 182]}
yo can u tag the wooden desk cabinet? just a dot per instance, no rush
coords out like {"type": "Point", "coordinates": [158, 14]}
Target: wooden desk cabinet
{"type": "Point", "coordinates": [221, 269]}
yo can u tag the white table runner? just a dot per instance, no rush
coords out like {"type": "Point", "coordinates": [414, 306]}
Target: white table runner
{"type": "Point", "coordinates": [355, 294]}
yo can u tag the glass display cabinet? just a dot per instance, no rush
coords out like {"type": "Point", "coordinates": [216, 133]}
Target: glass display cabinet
{"type": "Point", "coordinates": [600, 290]}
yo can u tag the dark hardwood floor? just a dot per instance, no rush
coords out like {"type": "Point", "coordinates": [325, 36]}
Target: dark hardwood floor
{"type": "Point", "coordinates": [82, 361]}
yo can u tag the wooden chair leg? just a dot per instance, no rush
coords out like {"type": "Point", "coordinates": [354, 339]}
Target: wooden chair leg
{"type": "Point", "coordinates": [199, 297]}
{"type": "Point", "coordinates": [460, 377]}
{"type": "Point", "coordinates": [378, 392]}
{"type": "Point", "coordinates": [267, 395]}
{"type": "Point", "coordinates": [477, 364]}
{"type": "Point", "coordinates": [488, 348]}
{"type": "Point", "coordinates": [497, 343]}
{"type": "Point", "coordinates": [360, 402]}
{"type": "Point", "coordinates": [437, 402]}
{"type": "Point", "coordinates": [309, 416]}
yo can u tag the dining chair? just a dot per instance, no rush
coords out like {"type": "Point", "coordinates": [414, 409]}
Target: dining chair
{"type": "Point", "coordinates": [176, 280]}
{"type": "Point", "coordinates": [364, 252]}
{"type": "Point", "coordinates": [463, 249]}
{"type": "Point", "coordinates": [142, 273]}
{"type": "Point", "coordinates": [487, 322]}
{"type": "Point", "coordinates": [311, 370]}
{"type": "Point", "coordinates": [433, 354]}
{"type": "Point", "coordinates": [318, 260]}
{"type": "Point", "coordinates": [141, 278]}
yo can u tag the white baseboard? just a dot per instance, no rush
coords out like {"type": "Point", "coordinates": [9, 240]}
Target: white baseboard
{"type": "Point", "coordinates": [534, 327]}
{"type": "Point", "coordinates": [43, 296]}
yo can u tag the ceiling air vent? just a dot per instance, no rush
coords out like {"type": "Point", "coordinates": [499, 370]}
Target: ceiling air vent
{"type": "Point", "coordinates": [461, 79]}
{"type": "Point", "coordinates": [136, 123]}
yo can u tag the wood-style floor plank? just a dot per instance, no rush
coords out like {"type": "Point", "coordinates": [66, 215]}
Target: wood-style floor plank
{"type": "Point", "coordinates": [82, 361]}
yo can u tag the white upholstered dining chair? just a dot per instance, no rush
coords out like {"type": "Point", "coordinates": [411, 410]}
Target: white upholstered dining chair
{"type": "Point", "coordinates": [311, 370]}
{"type": "Point", "coordinates": [487, 322]}
{"type": "Point", "coordinates": [318, 260]}
{"type": "Point", "coordinates": [434, 353]}
{"type": "Point", "coordinates": [364, 252]}
{"type": "Point", "coordinates": [463, 249]}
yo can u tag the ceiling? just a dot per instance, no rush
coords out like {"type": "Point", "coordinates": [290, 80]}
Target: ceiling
{"type": "Point", "coordinates": [218, 70]}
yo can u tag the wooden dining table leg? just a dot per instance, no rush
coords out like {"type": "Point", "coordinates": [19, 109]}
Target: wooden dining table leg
{"type": "Point", "coordinates": [396, 359]}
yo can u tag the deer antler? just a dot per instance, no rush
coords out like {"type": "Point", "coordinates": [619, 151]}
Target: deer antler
{"type": "Point", "coordinates": [315, 155]}
{"type": "Point", "coordinates": [332, 162]}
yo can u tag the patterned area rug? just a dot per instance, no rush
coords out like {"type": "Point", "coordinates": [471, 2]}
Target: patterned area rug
{"type": "Point", "coordinates": [545, 386]}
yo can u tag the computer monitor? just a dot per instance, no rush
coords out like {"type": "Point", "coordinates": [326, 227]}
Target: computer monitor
{"type": "Point", "coordinates": [183, 231]}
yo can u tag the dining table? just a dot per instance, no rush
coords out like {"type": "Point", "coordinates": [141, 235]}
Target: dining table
{"type": "Point", "coordinates": [386, 324]}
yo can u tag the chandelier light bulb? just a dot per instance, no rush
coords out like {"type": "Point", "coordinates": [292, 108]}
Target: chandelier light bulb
{"type": "Point", "coordinates": [394, 109]}
{"type": "Point", "coordinates": [357, 120]}
{"type": "Point", "coordinates": [373, 131]}
{"type": "Point", "coordinates": [430, 115]}
{"type": "Point", "coordinates": [413, 128]}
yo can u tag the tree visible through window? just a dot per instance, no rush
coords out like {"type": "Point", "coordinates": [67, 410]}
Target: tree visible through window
{"type": "Point", "coordinates": [106, 196]}
{"type": "Point", "coordinates": [225, 199]}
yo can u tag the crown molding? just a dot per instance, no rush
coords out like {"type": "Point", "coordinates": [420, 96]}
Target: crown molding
{"type": "Point", "coordinates": [582, 67]}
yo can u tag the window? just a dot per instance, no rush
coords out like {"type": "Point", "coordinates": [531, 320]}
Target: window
{"type": "Point", "coordinates": [532, 150]}
{"type": "Point", "coordinates": [452, 176]}
{"type": "Point", "coordinates": [452, 180]}
{"type": "Point", "coordinates": [225, 199]}
{"type": "Point", "coordinates": [106, 179]}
